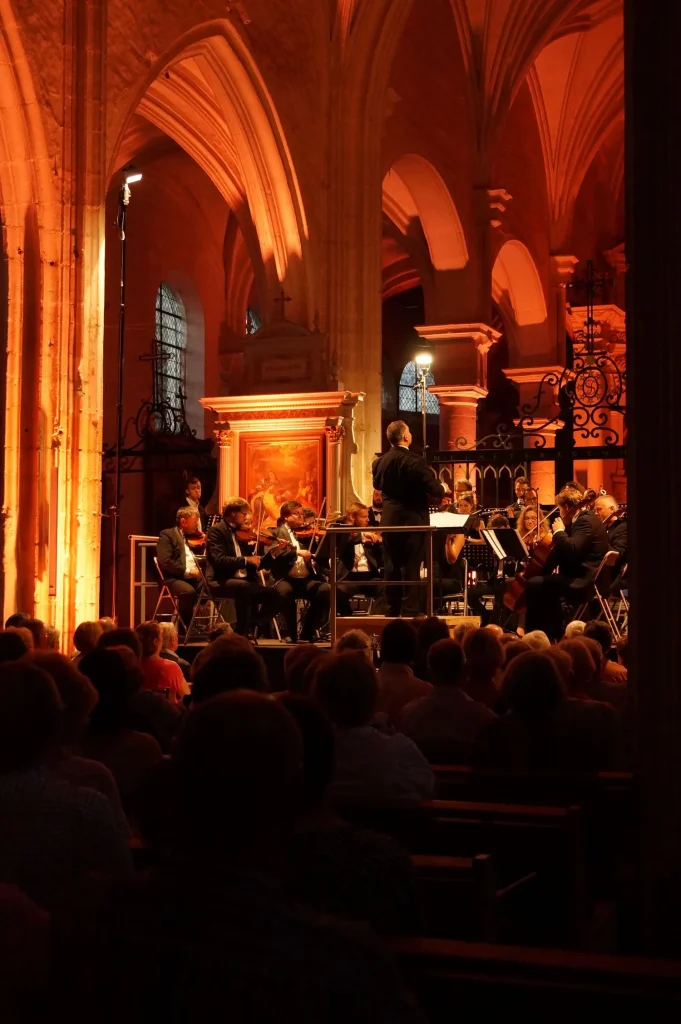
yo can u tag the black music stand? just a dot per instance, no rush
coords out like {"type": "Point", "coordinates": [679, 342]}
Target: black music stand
{"type": "Point", "coordinates": [506, 543]}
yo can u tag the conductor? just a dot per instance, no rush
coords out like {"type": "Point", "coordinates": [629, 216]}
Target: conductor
{"type": "Point", "coordinates": [409, 488]}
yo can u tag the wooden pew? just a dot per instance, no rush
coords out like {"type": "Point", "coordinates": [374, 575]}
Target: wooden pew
{"type": "Point", "coordinates": [463, 897]}
{"type": "Point", "coordinates": [461, 980]}
{"type": "Point", "coordinates": [521, 839]}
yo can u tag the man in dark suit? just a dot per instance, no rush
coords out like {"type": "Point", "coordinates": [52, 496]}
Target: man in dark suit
{"type": "Point", "coordinates": [177, 562]}
{"type": "Point", "coordinates": [233, 572]}
{"type": "Point", "coordinates": [359, 557]}
{"type": "Point", "coordinates": [409, 488]}
{"type": "Point", "coordinates": [296, 575]}
{"type": "Point", "coordinates": [579, 543]}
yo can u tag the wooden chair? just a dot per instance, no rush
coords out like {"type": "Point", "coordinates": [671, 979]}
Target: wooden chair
{"type": "Point", "coordinates": [165, 595]}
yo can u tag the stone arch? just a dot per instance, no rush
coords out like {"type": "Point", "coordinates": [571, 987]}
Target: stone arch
{"type": "Point", "coordinates": [209, 96]}
{"type": "Point", "coordinates": [414, 188]}
{"type": "Point", "coordinates": [517, 289]}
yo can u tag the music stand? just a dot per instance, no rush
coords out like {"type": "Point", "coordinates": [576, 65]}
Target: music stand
{"type": "Point", "coordinates": [506, 543]}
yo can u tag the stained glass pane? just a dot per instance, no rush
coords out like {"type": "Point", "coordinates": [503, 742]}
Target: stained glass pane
{"type": "Point", "coordinates": [410, 396]}
{"type": "Point", "coordinates": [171, 348]}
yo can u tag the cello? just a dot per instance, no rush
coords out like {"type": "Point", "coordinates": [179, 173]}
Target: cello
{"type": "Point", "coordinates": [514, 597]}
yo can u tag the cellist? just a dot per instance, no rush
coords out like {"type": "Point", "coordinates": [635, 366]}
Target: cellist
{"type": "Point", "coordinates": [576, 550]}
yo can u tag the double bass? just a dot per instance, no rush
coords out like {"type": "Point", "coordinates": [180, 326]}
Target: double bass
{"type": "Point", "coordinates": [514, 597]}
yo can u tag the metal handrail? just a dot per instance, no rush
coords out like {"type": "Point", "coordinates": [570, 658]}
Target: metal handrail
{"type": "Point", "coordinates": [333, 534]}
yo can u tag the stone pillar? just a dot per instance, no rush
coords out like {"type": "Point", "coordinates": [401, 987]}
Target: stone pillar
{"type": "Point", "coordinates": [653, 170]}
{"type": "Point", "coordinates": [458, 414]}
{"type": "Point", "coordinates": [529, 380]}
{"type": "Point", "coordinates": [562, 271]}
{"type": "Point", "coordinates": [460, 371]}
{"type": "Point", "coordinates": [228, 486]}
{"type": "Point", "coordinates": [334, 462]}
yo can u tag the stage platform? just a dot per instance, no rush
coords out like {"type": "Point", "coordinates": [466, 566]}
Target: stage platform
{"type": "Point", "coordinates": [274, 651]}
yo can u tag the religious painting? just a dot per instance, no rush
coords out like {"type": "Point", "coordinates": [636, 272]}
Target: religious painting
{"type": "Point", "coordinates": [274, 471]}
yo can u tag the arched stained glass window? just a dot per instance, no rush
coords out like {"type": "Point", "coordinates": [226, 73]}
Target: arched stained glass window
{"type": "Point", "coordinates": [170, 368]}
{"type": "Point", "coordinates": [411, 396]}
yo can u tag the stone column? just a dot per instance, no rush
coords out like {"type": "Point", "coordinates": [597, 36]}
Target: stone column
{"type": "Point", "coordinates": [228, 485]}
{"type": "Point", "coordinates": [529, 380]}
{"type": "Point", "coordinates": [334, 463]}
{"type": "Point", "coordinates": [653, 170]}
{"type": "Point", "coordinates": [460, 371]}
{"type": "Point", "coordinates": [562, 268]}
{"type": "Point", "coordinates": [458, 414]}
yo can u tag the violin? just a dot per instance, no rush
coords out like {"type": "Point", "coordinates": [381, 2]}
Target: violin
{"type": "Point", "coordinates": [514, 597]}
{"type": "Point", "coordinates": [249, 536]}
{"type": "Point", "coordinates": [310, 531]}
{"type": "Point", "coordinates": [196, 542]}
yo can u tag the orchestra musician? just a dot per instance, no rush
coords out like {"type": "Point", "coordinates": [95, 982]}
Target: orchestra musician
{"type": "Point", "coordinates": [376, 510]}
{"type": "Point", "coordinates": [520, 487]}
{"type": "Point", "coordinates": [530, 528]}
{"type": "Point", "coordinates": [296, 575]}
{"type": "Point", "coordinates": [579, 542]}
{"type": "Point", "coordinates": [409, 488]}
{"type": "Point", "coordinates": [178, 562]}
{"type": "Point", "coordinates": [232, 571]}
{"type": "Point", "coordinates": [608, 511]}
{"type": "Point", "coordinates": [192, 499]}
{"type": "Point", "coordinates": [359, 557]}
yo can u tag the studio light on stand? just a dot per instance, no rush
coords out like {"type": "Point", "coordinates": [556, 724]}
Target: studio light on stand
{"type": "Point", "coordinates": [424, 361]}
{"type": "Point", "coordinates": [130, 175]}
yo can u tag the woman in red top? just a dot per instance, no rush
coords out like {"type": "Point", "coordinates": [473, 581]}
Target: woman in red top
{"type": "Point", "coordinates": [160, 675]}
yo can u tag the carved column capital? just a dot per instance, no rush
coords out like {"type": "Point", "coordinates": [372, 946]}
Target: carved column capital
{"type": "Point", "coordinates": [223, 435]}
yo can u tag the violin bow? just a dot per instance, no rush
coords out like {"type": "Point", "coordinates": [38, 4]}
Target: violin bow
{"type": "Point", "coordinates": [316, 526]}
{"type": "Point", "coordinates": [260, 518]}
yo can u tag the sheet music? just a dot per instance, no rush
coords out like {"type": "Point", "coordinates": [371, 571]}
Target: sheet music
{"type": "Point", "coordinates": [448, 520]}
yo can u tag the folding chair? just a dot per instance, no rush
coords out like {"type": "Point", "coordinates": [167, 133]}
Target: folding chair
{"type": "Point", "coordinates": [165, 595]}
{"type": "Point", "coordinates": [206, 614]}
{"type": "Point", "coordinates": [608, 561]}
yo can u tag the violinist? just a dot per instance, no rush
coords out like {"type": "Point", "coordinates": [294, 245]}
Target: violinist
{"type": "Point", "coordinates": [232, 571]}
{"type": "Point", "coordinates": [579, 542]}
{"type": "Point", "coordinates": [178, 561]}
{"type": "Point", "coordinates": [359, 558]}
{"type": "Point", "coordinates": [294, 570]}
{"type": "Point", "coordinates": [530, 528]}
{"type": "Point", "coordinates": [614, 520]}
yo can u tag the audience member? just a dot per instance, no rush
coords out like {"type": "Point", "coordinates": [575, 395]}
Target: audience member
{"type": "Point", "coordinates": [564, 665]}
{"type": "Point", "coordinates": [25, 635]}
{"type": "Point", "coordinates": [495, 628]}
{"type": "Point", "coordinates": [398, 685]}
{"type": "Point", "coordinates": [355, 640]}
{"type": "Point", "coordinates": [51, 833]}
{"type": "Point", "coordinates": [611, 672]}
{"type": "Point", "coordinates": [300, 663]}
{"type": "Point", "coordinates": [169, 644]}
{"type": "Point", "coordinates": [543, 732]}
{"type": "Point", "coordinates": [233, 664]}
{"type": "Point", "coordinates": [513, 648]}
{"type": "Point", "coordinates": [107, 623]}
{"type": "Point", "coordinates": [428, 631]}
{"type": "Point", "coordinates": [369, 764]}
{"type": "Point", "coordinates": [537, 640]}
{"type": "Point", "coordinates": [85, 638]}
{"type": "Point", "coordinates": [445, 723]}
{"type": "Point", "coordinates": [336, 867]}
{"type": "Point", "coordinates": [38, 631]}
{"type": "Point", "coordinates": [585, 670]}
{"type": "Point", "coordinates": [17, 620]}
{"type": "Point", "coordinates": [574, 628]}
{"type": "Point", "coordinates": [121, 636]}
{"type": "Point", "coordinates": [219, 935]}
{"type": "Point", "coordinates": [128, 754]}
{"type": "Point", "coordinates": [603, 687]}
{"type": "Point", "coordinates": [160, 675]}
{"type": "Point", "coordinates": [484, 656]}
{"type": "Point", "coordinates": [461, 630]}
{"type": "Point", "coordinates": [222, 629]}
{"type": "Point", "coordinates": [12, 645]}
{"type": "Point", "coordinates": [79, 698]}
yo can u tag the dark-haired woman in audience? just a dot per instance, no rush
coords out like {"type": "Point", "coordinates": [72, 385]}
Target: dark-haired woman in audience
{"type": "Point", "coordinates": [128, 754]}
{"type": "Point", "coordinates": [485, 657]}
{"type": "Point", "coordinates": [336, 867]}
